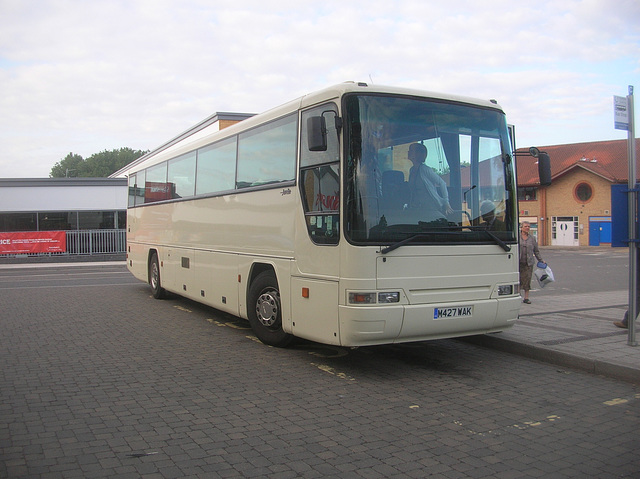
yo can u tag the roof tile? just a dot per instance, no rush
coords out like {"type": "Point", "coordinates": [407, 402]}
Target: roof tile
{"type": "Point", "coordinates": [607, 159]}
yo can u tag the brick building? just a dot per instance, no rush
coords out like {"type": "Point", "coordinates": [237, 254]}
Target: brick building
{"type": "Point", "coordinates": [576, 209]}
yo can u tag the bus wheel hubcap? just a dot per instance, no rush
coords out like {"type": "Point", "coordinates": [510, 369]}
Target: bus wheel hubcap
{"type": "Point", "coordinates": [267, 308]}
{"type": "Point", "coordinates": [154, 276]}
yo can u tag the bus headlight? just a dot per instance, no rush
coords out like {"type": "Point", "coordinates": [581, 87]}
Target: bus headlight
{"type": "Point", "coordinates": [393, 297]}
{"type": "Point", "coordinates": [508, 289]}
{"type": "Point", "coordinates": [373, 298]}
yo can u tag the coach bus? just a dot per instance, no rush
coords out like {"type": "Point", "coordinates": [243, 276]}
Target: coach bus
{"type": "Point", "coordinates": [356, 215]}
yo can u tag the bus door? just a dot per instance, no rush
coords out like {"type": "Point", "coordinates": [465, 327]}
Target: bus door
{"type": "Point", "coordinates": [314, 280]}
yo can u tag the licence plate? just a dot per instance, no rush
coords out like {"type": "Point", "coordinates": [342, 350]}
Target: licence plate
{"type": "Point", "coordinates": [445, 313]}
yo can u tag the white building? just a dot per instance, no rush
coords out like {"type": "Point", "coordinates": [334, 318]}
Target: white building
{"type": "Point", "coordinates": [90, 211]}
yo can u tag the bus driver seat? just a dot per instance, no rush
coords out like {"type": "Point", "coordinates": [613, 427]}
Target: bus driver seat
{"type": "Point", "coordinates": [395, 192]}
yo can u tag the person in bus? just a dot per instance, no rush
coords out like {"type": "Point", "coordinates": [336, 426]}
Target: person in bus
{"type": "Point", "coordinates": [428, 191]}
{"type": "Point", "coordinates": [489, 218]}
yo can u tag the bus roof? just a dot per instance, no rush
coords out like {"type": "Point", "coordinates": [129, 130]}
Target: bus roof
{"type": "Point", "coordinates": [205, 132]}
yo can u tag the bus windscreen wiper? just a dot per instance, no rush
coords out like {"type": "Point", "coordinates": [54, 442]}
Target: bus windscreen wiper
{"type": "Point", "coordinates": [483, 229]}
{"type": "Point", "coordinates": [498, 241]}
{"type": "Point", "coordinates": [403, 242]}
{"type": "Point", "coordinates": [413, 237]}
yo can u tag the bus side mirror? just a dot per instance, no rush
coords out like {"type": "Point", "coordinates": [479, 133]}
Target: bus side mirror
{"type": "Point", "coordinates": [317, 133]}
{"type": "Point", "coordinates": [544, 169]}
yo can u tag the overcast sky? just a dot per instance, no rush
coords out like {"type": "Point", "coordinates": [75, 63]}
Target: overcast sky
{"type": "Point", "coordinates": [85, 76]}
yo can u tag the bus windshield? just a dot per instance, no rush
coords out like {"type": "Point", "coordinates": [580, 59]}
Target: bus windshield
{"type": "Point", "coordinates": [424, 171]}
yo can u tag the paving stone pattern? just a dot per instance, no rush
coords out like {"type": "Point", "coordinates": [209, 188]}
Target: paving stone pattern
{"type": "Point", "coordinates": [104, 381]}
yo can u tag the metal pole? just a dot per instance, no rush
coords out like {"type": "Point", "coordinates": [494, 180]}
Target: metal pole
{"type": "Point", "coordinates": [633, 245]}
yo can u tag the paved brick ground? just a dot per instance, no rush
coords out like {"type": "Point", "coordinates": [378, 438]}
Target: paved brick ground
{"type": "Point", "coordinates": [574, 330]}
{"type": "Point", "coordinates": [100, 380]}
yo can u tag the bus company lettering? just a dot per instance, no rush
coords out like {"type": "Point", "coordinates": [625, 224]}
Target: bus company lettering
{"type": "Point", "coordinates": [5, 241]}
{"type": "Point", "coordinates": [330, 202]}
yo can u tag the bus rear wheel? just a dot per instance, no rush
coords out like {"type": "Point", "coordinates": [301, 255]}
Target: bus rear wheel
{"type": "Point", "coordinates": [154, 277]}
{"type": "Point", "coordinates": [265, 311]}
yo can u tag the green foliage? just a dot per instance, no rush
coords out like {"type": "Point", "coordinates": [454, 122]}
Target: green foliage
{"type": "Point", "coordinates": [98, 165]}
{"type": "Point", "coordinates": [69, 166]}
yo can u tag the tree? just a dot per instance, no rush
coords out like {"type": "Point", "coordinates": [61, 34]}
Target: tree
{"type": "Point", "coordinates": [69, 166]}
{"type": "Point", "coordinates": [98, 165]}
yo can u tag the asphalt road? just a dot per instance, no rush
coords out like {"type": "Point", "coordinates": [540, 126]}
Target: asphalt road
{"type": "Point", "coordinates": [587, 269]}
{"type": "Point", "coordinates": [98, 379]}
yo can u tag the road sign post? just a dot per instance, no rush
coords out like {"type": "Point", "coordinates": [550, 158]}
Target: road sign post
{"type": "Point", "coordinates": [624, 120]}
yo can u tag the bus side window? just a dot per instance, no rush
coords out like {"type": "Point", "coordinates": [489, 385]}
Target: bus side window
{"type": "Point", "coordinates": [156, 187]}
{"type": "Point", "coordinates": [216, 168]}
{"type": "Point", "coordinates": [267, 154]}
{"type": "Point", "coordinates": [182, 175]}
{"type": "Point", "coordinates": [320, 178]}
{"type": "Point", "coordinates": [132, 191]}
{"type": "Point", "coordinates": [321, 201]}
{"type": "Point", "coordinates": [310, 154]}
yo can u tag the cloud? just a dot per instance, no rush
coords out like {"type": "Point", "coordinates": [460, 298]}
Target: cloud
{"type": "Point", "coordinates": [88, 76]}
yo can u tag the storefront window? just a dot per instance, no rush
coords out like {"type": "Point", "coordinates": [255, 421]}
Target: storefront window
{"type": "Point", "coordinates": [96, 220]}
{"type": "Point", "coordinates": [63, 221]}
{"type": "Point", "coordinates": [56, 221]}
{"type": "Point", "coordinates": [18, 222]}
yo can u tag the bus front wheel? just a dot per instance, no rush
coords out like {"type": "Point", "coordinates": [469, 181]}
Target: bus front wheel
{"type": "Point", "coordinates": [154, 277]}
{"type": "Point", "coordinates": [265, 311]}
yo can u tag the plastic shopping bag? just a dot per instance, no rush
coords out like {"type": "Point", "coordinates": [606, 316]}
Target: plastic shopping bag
{"type": "Point", "coordinates": [543, 274]}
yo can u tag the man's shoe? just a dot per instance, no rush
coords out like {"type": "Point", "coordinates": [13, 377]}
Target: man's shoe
{"type": "Point", "coordinates": [526, 301]}
{"type": "Point", "coordinates": [620, 324]}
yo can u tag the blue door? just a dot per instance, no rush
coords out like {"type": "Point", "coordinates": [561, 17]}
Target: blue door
{"type": "Point", "coordinates": [605, 232]}
{"type": "Point", "coordinates": [599, 231]}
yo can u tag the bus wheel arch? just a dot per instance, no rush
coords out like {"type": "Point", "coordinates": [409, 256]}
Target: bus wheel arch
{"type": "Point", "coordinates": [264, 308]}
{"type": "Point", "coordinates": [153, 269]}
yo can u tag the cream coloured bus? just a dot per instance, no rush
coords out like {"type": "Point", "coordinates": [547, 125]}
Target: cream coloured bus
{"type": "Point", "coordinates": [315, 219]}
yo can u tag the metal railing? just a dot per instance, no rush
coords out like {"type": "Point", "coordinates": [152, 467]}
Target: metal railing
{"type": "Point", "coordinates": [96, 242]}
{"type": "Point", "coordinates": [83, 243]}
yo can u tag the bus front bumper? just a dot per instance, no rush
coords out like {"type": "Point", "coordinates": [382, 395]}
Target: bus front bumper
{"type": "Point", "coordinates": [365, 325]}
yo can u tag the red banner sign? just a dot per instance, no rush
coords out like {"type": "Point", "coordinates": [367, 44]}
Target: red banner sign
{"type": "Point", "coordinates": [33, 242]}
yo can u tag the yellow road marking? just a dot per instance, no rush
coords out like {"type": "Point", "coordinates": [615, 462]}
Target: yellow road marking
{"type": "Point", "coordinates": [616, 401]}
{"type": "Point", "coordinates": [528, 424]}
{"type": "Point", "coordinates": [330, 370]}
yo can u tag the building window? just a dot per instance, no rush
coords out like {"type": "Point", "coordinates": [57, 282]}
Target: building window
{"type": "Point", "coordinates": [527, 194]}
{"type": "Point", "coordinates": [18, 222]}
{"type": "Point", "coordinates": [97, 220]}
{"type": "Point", "coordinates": [583, 192]}
{"type": "Point", "coordinates": [62, 221]}
{"type": "Point", "coordinates": [121, 217]}
{"type": "Point", "coordinates": [58, 220]}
